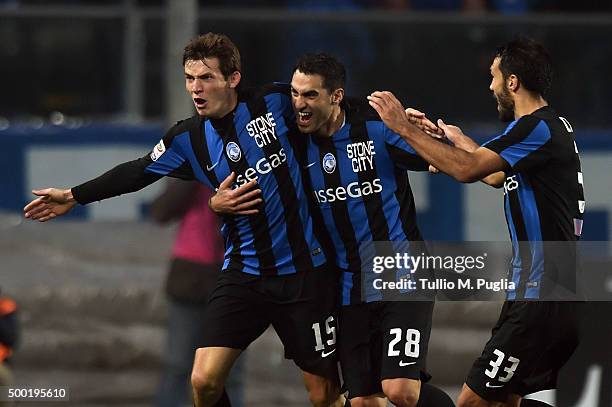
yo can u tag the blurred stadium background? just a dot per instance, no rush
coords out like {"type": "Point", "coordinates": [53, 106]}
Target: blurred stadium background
{"type": "Point", "coordinates": [89, 84]}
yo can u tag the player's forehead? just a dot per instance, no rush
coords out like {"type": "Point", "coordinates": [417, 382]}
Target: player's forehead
{"type": "Point", "coordinates": [494, 68]}
{"type": "Point", "coordinates": [197, 67]}
{"type": "Point", "coordinates": [303, 83]}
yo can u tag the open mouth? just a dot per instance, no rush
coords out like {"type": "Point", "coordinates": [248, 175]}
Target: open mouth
{"type": "Point", "coordinates": [199, 103]}
{"type": "Point", "coordinates": [304, 118]}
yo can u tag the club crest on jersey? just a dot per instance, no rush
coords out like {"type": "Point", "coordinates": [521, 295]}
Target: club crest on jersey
{"type": "Point", "coordinates": [329, 163]}
{"type": "Point", "coordinates": [158, 150]}
{"type": "Point", "coordinates": [233, 151]}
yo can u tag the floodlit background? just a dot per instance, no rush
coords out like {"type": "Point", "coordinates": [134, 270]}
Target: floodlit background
{"type": "Point", "coordinates": [85, 85]}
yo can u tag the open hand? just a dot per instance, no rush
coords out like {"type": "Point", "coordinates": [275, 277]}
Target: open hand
{"type": "Point", "coordinates": [420, 120]}
{"type": "Point", "coordinates": [457, 137]}
{"type": "Point", "coordinates": [390, 110]}
{"type": "Point", "coordinates": [240, 201]}
{"type": "Point", "coordinates": [51, 203]}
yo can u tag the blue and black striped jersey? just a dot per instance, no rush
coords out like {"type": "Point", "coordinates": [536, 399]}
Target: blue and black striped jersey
{"type": "Point", "coordinates": [544, 203]}
{"type": "Point", "coordinates": [253, 142]}
{"type": "Point", "coordinates": [360, 184]}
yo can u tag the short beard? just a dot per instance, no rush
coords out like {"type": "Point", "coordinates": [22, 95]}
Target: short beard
{"type": "Point", "coordinates": [506, 106]}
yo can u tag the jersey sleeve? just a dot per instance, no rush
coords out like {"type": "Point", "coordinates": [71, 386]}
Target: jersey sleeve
{"type": "Point", "coordinates": [402, 154]}
{"type": "Point", "coordinates": [166, 159]}
{"type": "Point", "coordinates": [525, 144]}
{"type": "Point", "coordinates": [285, 106]}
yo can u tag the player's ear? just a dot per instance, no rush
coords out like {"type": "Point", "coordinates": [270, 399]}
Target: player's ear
{"type": "Point", "coordinates": [234, 79]}
{"type": "Point", "coordinates": [337, 96]}
{"type": "Point", "coordinates": [512, 83]}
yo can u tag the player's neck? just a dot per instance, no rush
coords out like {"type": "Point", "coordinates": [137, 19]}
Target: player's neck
{"type": "Point", "coordinates": [335, 122]}
{"type": "Point", "coordinates": [230, 105]}
{"type": "Point", "coordinates": [527, 105]}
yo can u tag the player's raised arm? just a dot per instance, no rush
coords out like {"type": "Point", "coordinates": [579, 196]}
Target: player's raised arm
{"type": "Point", "coordinates": [462, 141]}
{"type": "Point", "coordinates": [437, 132]}
{"type": "Point", "coordinates": [459, 139]}
{"type": "Point", "coordinates": [462, 165]}
{"type": "Point", "coordinates": [421, 120]}
{"type": "Point", "coordinates": [402, 153]}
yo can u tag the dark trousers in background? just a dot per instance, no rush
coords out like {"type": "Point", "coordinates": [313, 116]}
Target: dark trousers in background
{"type": "Point", "coordinates": [185, 329]}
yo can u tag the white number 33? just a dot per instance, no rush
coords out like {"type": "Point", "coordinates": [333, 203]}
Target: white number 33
{"type": "Point", "coordinates": [495, 365]}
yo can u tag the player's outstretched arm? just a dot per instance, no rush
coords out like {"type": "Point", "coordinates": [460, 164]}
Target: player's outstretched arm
{"type": "Point", "coordinates": [459, 139]}
{"type": "Point", "coordinates": [51, 203]}
{"type": "Point", "coordinates": [462, 165]}
{"type": "Point", "coordinates": [240, 201]}
{"type": "Point", "coordinates": [464, 142]}
{"type": "Point", "coordinates": [124, 178]}
{"type": "Point", "coordinates": [420, 120]}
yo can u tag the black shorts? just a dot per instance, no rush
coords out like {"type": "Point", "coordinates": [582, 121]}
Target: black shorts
{"type": "Point", "coordinates": [301, 307]}
{"type": "Point", "coordinates": [383, 340]}
{"type": "Point", "coordinates": [529, 344]}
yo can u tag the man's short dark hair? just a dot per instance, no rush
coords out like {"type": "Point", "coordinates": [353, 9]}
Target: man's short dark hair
{"type": "Point", "coordinates": [212, 45]}
{"type": "Point", "coordinates": [529, 61]}
{"type": "Point", "coordinates": [331, 70]}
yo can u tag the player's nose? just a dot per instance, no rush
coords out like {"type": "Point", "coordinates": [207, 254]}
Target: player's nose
{"type": "Point", "coordinates": [196, 87]}
{"type": "Point", "coordinates": [298, 103]}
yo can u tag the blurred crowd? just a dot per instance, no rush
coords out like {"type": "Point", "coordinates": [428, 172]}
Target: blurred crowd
{"type": "Point", "coordinates": [501, 6]}
{"type": "Point", "coordinates": [60, 54]}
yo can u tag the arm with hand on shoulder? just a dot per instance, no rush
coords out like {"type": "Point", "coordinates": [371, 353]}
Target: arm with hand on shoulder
{"type": "Point", "coordinates": [464, 142]}
{"type": "Point", "coordinates": [464, 166]}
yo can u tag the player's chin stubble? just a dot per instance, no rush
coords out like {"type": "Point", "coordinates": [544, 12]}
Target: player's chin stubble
{"type": "Point", "coordinates": [505, 106]}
